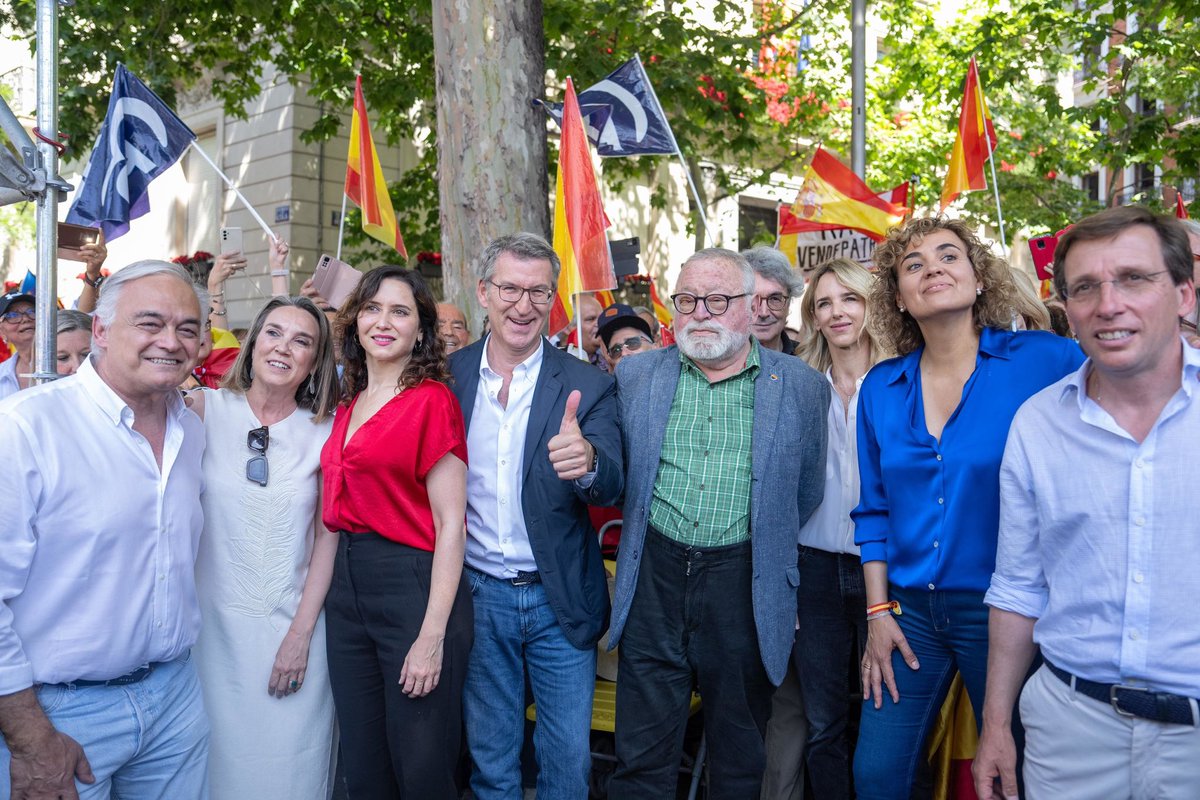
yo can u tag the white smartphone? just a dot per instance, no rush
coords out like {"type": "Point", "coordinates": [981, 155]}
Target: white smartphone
{"type": "Point", "coordinates": [231, 241]}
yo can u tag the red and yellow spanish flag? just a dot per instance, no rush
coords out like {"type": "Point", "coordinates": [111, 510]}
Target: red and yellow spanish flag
{"type": "Point", "coordinates": [579, 220]}
{"type": "Point", "coordinates": [834, 197]}
{"type": "Point", "coordinates": [976, 141]}
{"type": "Point", "coordinates": [789, 226]}
{"type": "Point", "coordinates": [365, 185]}
{"type": "Point", "coordinates": [1180, 208]}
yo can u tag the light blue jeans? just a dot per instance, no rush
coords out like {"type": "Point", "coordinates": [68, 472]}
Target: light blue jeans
{"type": "Point", "coordinates": [515, 630]}
{"type": "Point", "coordinates": [144, 741]}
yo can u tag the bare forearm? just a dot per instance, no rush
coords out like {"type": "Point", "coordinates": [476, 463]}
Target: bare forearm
{"type": "Point", "coordinates": [447, 572]}
{"type": "Point", "coordinates": [875, 577]}
{"type": "Point", "coordinates": [22, 720]}
{"type": "Point", "coordinates": [1010, 652]}
{"type": "Point", "coordinates": [316, 585]}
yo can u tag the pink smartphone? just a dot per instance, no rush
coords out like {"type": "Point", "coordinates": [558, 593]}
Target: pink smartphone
{"type": "Point", "coordinates": [335, 280]}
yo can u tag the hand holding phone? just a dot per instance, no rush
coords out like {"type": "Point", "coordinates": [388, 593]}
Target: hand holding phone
{"type": "Point", "coordinates": [231, 241]}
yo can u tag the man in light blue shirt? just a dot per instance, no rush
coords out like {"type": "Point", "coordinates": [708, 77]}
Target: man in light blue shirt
{"type": "Point", "coordinates": [1099, 540]}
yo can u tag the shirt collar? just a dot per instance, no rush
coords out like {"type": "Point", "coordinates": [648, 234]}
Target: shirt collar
{"type": "Point", "coordinates": [1077, 382]}
{"type": "Point", "coordinates": [993, 342]}
{"type": "Point", "coordinates": [109, 402]}
{"type": "Point", "coordinates": [526, 367]}
{"type": "Point", "coordinates": [753, 361]}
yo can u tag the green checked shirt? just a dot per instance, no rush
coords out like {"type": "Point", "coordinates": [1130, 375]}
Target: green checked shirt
{"type": "Point", "coordinates": [702, 490]}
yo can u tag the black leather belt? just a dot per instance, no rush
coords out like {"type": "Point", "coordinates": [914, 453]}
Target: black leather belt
{"type": "Point", "coordinates": [137, 676]}
{"type": "Point", "coordinates": [1134, 701]}
{"type": "Point", "coordinates": [525, 578]}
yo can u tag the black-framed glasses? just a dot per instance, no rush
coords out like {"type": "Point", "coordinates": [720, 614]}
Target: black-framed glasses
{"type": "Point", "coordinates": [715, 304]}
{"type": "Point", "coordinates": [257, 470]}
{"type": "Point", "coordinates": [776, 302]}
{"type": "Point", "coordinates": [13, 316]}
{"type": "Point", "coordinates": [1129, 284]}
{"type": "Point", "coordinates": [632, 344]}
{"type": "Point", "coordinates": [512, 294]}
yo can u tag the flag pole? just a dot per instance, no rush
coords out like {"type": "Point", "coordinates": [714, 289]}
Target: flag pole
{"type": "Point", "coordinates": [991, 163]}
{"type": "Point", "coordinates": [341, 227]}
{"type": "Point", "coordinates": [687, 173]}
{"type": "Point", "coordinates": [234, 189]}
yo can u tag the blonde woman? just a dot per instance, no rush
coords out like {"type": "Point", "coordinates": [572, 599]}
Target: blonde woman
{"type": "Point", "coordinates": [931, 431]}
{"type": "Point", "coordinates": [831, 598]}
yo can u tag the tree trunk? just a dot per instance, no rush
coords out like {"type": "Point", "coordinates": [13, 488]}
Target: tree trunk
{"type": "Point", "coordinates": [489, 60]}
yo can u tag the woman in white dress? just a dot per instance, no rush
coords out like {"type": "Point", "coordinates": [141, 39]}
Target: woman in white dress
{"type": "Point", "coordinates": [265, 562]}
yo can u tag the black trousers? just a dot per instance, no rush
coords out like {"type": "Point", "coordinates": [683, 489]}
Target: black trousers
{"type": "Point", "coordinates": [692, 617]}
{"type": "Point", "coordinates": [392, 746]}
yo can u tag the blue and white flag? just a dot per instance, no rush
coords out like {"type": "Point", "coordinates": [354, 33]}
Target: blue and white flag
{"type": "Point", "coordinates": [622, 115]}
{"type": "Point", "coordinates": [141, 138]}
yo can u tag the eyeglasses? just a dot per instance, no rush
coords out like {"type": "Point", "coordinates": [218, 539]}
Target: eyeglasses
{"type": "Point", "coordinates": [775, 302]}
{"type": "Point", "coordinates": [1130, 284]}
{"type": "Point", "coordinates": [715, 304]}
{"type": "Point", "coordinates": [632, 344]}
{"type": "Point", "coordinates": [256, 468]}
{"type": "Point", "coordinates": [14, 316]}
{"type": "Point", "coordinates": [512, 294]}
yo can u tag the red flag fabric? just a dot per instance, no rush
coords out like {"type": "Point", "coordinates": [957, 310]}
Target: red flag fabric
{"type": "Point", "coordinates": [976, 140]}
{"type": "Point", "coordinates": [1180, 208]}
{"type": "Point", "coordinates": [579, 219]}
{"type": "Point", "coordinates": [365, 184]}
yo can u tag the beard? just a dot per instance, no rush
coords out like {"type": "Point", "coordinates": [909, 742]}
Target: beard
{"type": "Point", "coordinates": [705, 350]}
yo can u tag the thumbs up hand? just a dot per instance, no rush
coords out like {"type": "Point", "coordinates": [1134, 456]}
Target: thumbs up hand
{"type": "Point", "coordinates": [570, 453]}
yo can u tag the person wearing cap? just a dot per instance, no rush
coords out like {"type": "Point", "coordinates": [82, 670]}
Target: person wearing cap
{"type": "Point", "coordinates": [16, 328]}
{"type": "Point", "coordinates": [623, 331]}
{"type": "Point", "coordinates": [101, 478]}
{"type": "Point", "coordinates": [775, 284]}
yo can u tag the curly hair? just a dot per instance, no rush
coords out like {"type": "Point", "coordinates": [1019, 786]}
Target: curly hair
{"type": "Point", "coordinates": [898, 332]}
{"type": "Point", "coordinates": [428, 360]}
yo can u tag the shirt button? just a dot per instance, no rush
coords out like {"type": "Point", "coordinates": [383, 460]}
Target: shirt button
{"type": "Point", "coordinates": [706, 453]}
{"type": "Point", "coordinates": [932, 587]}
{"type": "Point", "coordinates": [695, 524]}
{"type": "Point", "coordinates": [939, 456]}
{"type": "Point", "coordinates": [1134, 635]}
{"type": "Point", "coordinates": [1140, 521]}
{"type": "Point", "coordinates": [1139, 463]}
{"type": "Point", "coordinates": [502, 461]}
{"type": "Point", "coordinates": [159, 625]}
{"type": "Point", "coordinates": [935, 542]}
{"type": "Point", "coordinates": [702, 487]}
{"type": "Point", "coordinates": [941, 501]}
{"type": "Point", "coordinates": [1138, 577]}
{"type": "Point", "coordinates": [503, 501]}
{"type": "Point", "coordinates": [162, 577]}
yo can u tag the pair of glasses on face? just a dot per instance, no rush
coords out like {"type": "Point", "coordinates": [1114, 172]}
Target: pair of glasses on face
{"type": "Point", "coordinates": [14, 316]}
{"type": "Point", "coordinates": [715, 304]}
{"type": "Point", "coordinates": [257, 470]}
{"type": "Point", "coordinates": [632, 344]}
{"type": "Point", "coordinates": [775, 302]}
{"type": "Point", "coordinates": [539, 296]}
{"type": "Point", "coordinates": [1131, 284]}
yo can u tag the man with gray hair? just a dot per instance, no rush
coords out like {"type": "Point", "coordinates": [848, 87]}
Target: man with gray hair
{"type": "Point", "coordinates": [775, 284]}
{"type": "Point", "coordinates": [98, 612]}
{"type": "Point", "coordinates": [543, 444]}
{"type": "Point", "coordinates": [723, 439]}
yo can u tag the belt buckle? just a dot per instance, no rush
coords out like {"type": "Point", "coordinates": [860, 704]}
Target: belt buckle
{"type": "Point", "coordinates": [524, 578]}
{"type": "Point", "coordinates": [1114, 698]}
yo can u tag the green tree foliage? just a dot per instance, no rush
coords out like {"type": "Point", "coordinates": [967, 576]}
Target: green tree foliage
{"type": "Point", "coordinates": [748, 88]}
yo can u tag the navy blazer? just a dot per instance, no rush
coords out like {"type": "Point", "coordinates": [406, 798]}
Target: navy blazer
{"type": "Point", "coordinates": [791, 406]}
{"type": "Point", "coordinates": [561, 535]}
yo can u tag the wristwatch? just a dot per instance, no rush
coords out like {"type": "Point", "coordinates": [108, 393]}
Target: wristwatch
{"type": "Point", "coordinates": [595, 459]}
{"type": "Point", "coordinates": [95, 284]}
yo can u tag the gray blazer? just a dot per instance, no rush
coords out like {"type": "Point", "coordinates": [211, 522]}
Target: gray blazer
{"type": "Point", "coordinates": [791, 404]}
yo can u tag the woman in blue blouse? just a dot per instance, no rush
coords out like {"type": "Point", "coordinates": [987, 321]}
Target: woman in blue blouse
{"type": "Point", "coordinates": [931, 431]}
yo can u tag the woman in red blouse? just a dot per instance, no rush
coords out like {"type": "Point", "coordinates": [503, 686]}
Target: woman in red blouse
{"type": "Point", "coordinates": [398, 613]}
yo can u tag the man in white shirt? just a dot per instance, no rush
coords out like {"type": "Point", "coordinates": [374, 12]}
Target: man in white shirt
{"type": "Point", "coordinates": [101, 478]}
{"type": "Point", "coordinates": [1098, 536]}
{"type": "Point", "coordinates": [542, 444]}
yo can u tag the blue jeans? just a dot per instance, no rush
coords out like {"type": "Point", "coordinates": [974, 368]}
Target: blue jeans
{"type": "Point", "coordinates": [516, 630]}
{"type": "Point", "coordinates": [144, 740]}
{"type": "Point", "coordinates": [832, 604]}
{"type": "Point", "coordinates": [947, 631]}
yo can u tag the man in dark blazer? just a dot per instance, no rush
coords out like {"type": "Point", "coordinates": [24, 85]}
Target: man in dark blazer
{"type": "Point", "coordinates": [725, 446]}
{"type": "Point", "coordinates": [542, 444]}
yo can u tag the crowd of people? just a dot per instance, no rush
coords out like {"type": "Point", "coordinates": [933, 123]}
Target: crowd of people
{"type": "Point", "coordinates": [362, 542]}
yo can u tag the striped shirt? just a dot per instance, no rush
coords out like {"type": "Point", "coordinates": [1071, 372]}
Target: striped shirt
{"type": "Point", "coordinates": [702, 490]}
